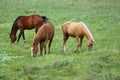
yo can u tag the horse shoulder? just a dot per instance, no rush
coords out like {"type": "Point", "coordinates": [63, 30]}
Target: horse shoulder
{"type": "Point", "coordinates": [19, 23]}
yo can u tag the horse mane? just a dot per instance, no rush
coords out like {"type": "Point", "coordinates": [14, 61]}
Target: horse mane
{"type": "Point", "coordinates": [87, 29]}
{"type": "Point", "coordinates": [15, 24]}
{"type": "Point", "coordinates": [45, 18]}
{"type": "Point", "coordinates": [37, 36]}
{"type": "Point", "coordinates": [16, 20]}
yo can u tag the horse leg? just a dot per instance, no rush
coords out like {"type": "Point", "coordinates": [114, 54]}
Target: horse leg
{"type": "Point", "coordinates": [36, 29]}
{"type": "Point", "coordinates": [49, 45]}
{"type": "Point", "coordinates": [41, 48]}
{"type": "Point", "coordinates": [23, 35]}
{"type": "Point", "coordinates": [64, 41]}
{"type": "Point", "coordinates": [81, 38]}
{"type": "Point", "coordinates": [78, 44]}
{"type": "Point", "coordinates": [45, 42]}
{"type": "Point", "coordinates": [44, 45]}
{"type": "Point", "coordinates": [19, 36]}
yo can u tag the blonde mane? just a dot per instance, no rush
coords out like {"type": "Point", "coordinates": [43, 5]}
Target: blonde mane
{"type": "Point", "coordinates": [87, 30]}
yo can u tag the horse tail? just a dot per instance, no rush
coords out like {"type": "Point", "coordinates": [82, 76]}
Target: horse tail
{"type": "Point", "coordinates": [44, 18]}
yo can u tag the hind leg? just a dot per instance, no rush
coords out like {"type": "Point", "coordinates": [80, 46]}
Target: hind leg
{"type": "Point", "coordinates": [41, 48]}
{"type": "Point", "coordinates": [45, 47]}
{"type": "Point", "coordinates": [64, 41]}
{"type": "Point", "coordinates": [50, 41]}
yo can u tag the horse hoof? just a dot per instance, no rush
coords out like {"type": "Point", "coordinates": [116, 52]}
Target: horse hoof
{"type": "Point", "coordinates": [24, 41]}
{"type": "Point", "coordinates": [74, 51]}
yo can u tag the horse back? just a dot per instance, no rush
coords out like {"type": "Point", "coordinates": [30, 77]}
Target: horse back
{"type": "Point", "coordinates": [46, 31]}
{"type": "Point", "coordinates": [49, 29]}
{"type": "Point", "coordinates": [37, 20]}
{"type": "Point", "coordinates": [72, 28]}
{"type": "Point", "coordinates": [29, 22]}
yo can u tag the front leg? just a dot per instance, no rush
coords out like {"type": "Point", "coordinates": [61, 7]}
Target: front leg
{"type": "Point", "coordinates": [78, 44]}
{"type": "Point", "coordinates": [81, 39]}
{"type": "Point", "coordinates": [23, 35]}
{"type": "Point", "coordinates": [19, 36]}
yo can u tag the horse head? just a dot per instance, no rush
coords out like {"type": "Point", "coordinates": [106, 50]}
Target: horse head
{"type": "Point", "coordinates": [90, 44]}
{"type": "Point", "coordinates": [34, 50]}
{"type": "Point", "coordinates": [12, 37]}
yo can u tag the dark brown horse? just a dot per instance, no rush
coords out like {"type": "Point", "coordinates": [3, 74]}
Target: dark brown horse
{"type": "Point", "coordinates": [77, 30]}
{"type": "Point", "coordinates": [25, 22]}
{"type": "Point", "coordinates": [44, 33]}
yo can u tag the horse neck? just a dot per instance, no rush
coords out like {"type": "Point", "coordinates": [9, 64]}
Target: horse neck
{"type": "Point", "coordinates": [37, 38]}
{"type": "Point", "coordinates": [87, 32]}
{"type": "Point", "coordinates": [88, 36]}
{"type": "Point", "coordinates": [14, 29]}
{"type": "Point", "coordinates": [36, 41]}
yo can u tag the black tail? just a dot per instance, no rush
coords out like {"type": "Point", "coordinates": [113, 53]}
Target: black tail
{"type": "Point", "coordinates": [44, 18]}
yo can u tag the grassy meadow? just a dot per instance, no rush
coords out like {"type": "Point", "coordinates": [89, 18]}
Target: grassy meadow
{"type": "Point", "coordinates": [102, 18]}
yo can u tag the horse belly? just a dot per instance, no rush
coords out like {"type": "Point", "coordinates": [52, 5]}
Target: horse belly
{"type": "Point", "coordinates": [71, 32]}
{"type": "Point", "coordinates": [29, 27]}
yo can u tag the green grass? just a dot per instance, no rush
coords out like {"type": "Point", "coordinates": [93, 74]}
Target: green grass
{"type": "Point", "coordinates": [101, 16]}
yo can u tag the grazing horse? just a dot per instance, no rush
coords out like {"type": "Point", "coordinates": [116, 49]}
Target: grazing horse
{"type": "Point", "coordinates": [45, 33]}
{"type": "Point", "coordinates": [26, 22]}
{"type": "Point", "coordinates": [77, 30]}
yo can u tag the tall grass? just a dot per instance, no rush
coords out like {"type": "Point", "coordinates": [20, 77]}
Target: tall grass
{"type": "Point", "coordinates": [101, 17]}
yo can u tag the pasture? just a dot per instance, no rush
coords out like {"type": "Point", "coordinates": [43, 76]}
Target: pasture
{"type": "Point", "coordinates": [102, 18]}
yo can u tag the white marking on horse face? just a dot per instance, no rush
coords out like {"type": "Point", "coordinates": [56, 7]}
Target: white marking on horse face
{"type": "Point", "coordinates": [32, 51]}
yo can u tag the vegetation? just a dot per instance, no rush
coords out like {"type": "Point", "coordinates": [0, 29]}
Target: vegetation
{"type": "Point", "coordinates": [102, 18]}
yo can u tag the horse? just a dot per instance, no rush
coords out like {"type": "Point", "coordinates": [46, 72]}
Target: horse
{"type": "Point", "coordinates": [77, 30]}
{"type": "Point", "coordinates": [25, 22]}
{"type": "Point", "coordinates": [45, 33]}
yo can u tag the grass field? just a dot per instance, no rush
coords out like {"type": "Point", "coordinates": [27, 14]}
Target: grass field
{"type": "Point", "coordinates": [102, 18]}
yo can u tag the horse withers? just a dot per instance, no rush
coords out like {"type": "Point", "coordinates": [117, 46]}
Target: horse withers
{"type": "Point", "coordinates": [44, 34]}
{"type": "Point", "coordinates": [77, 30]}
{"type": "Point", "coordinates": [25, 22]}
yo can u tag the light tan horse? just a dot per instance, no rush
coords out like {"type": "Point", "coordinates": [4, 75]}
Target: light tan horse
{"type": "Point", "coordinates": [45, 33]}
{"type": "Point", "coordinates": [77, 30]}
